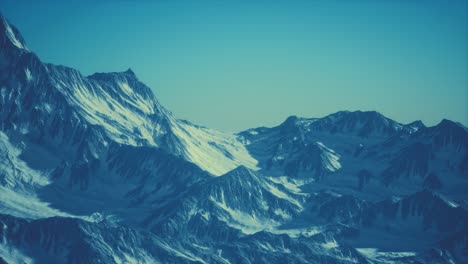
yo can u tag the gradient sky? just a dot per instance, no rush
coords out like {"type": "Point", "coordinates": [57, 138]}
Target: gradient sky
{"type": "Point", "coordinates": [233, 65]}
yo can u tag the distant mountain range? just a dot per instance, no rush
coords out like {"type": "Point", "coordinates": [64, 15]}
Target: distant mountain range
{"type": "Point", "coordinates": [93, 169]}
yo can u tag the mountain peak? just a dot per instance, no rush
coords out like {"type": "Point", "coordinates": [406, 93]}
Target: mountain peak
{"type": "Point", "coordinates": [445, 133]}
{"type": "Point", "coordinates": [361, 123]}
{"type": "Point", "coordinates": [290, 121]}
{"type": "Point", "coordinates": [359, 116]}
{"type": "Point", "coordinates": [9, 34]}
{"type": "Point", "coordinates": [239, 176]}
{"type": "Point", "coordinates": [240, 171]}
{"type": "Point", "coordinates": [368, 114]}
{"type": "Point", "coordinates": [416, 124]}
{"type": "Point", "coordinates": [448, 123]}
{"type": "Point", "coordinates": [130, 72]}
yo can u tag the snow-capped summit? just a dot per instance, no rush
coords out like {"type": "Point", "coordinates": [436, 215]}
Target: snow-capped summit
{"type": "Point", "coordinates": [9, 35]}
{"type": "Point", "coordinates": [95, 169]}
{"type": "Point", "coordinates": [112, 106]}
{"type": "Point", "coordinates": [107, 99]}
{"type": "Point", "coordinates": [127, 81]}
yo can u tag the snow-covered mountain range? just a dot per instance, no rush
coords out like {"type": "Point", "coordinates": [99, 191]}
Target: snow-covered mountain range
{"type": "Point", "coordinates": [93, 169]}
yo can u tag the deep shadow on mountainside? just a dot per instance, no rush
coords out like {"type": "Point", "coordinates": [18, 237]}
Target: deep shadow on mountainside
{"type": "Point", "coordinates": [93, 169]}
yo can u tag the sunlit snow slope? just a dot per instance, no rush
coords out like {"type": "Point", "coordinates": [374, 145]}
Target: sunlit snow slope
{"type": "Point", "coordinates": [125, 109]}
{"type": "Point", "coordinates": [94, 170]}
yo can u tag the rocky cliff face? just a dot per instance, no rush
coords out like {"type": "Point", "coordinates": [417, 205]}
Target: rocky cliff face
{"type": "Point", "coordinates": [93, 169]}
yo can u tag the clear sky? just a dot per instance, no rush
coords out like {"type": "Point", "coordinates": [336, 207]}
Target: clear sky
{"type": "Point", "coordinates": [232, 65]}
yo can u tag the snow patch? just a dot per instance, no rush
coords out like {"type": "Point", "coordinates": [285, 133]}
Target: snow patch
{"type": "Point", "coordinates": [247, 223]}
{"type": "Point", "coordinates": [282, 214]}
{"type": "Point", "coordinates": [289, 183]}
{"type": "Point", "coordinates": [276, 192]}
{"type": "Point", "coordinates": [297, 232]}
{"type": "Point", "coordinates": [384, 257]}
{"type": "Point", "coordinates": [183, 254]}
{"type": "Point", "coordinates": [13, 255]}
{"type": "Point", "coordinates": [330, 158]}
{"type": "Point", "coordinates": [330, 244]}
{"type": "Point", "coordinates": [28, 74]}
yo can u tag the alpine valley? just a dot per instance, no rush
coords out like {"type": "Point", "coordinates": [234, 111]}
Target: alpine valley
{"type": "Point", "coordinates": [93, 169]}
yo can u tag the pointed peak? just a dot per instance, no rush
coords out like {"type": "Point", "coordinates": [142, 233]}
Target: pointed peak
{"type": "Point", "coordinates": [445, 133]}
{"type": "Point", "coordinates": [416, 124]}
{"type": "Point", "coordinates": [11, 34]}
{"type": "Point", "coordinates": [130, 72]}
{"type": "Point", "coordinates": [239, 175]}
{"type": "Point", "coordinates": [291, 119]}
{"type": "Point", "coordinates": [241, 170]}
{"type": "Point", "coordinates": [449, 124]}
{"type": "Point", "coordinates": [295, 124]}
{"type": "Point", "coordinates": [446, 122]}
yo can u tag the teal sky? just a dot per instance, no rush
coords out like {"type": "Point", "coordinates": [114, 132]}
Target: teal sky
{"type": "Point", "coordinates": [233, 65]}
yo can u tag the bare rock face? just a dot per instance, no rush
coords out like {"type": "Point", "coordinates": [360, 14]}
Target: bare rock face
{"type": "Point", "coordinates": [93, 169]}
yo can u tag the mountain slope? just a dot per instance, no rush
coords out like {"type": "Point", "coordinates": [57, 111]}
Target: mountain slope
{"type": "Point", "coordinates": [109, 106]}
{"type": "Point", "coordinates": [93, 169]}
{"type": "Point", "coordinates": [391, 158]}
{"type": "Point", "coordinates": [241, 200]}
